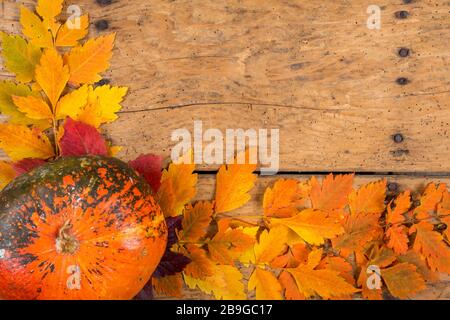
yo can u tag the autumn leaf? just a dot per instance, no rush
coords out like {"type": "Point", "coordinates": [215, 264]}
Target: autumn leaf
{"type": "Point", "coordinates": [26, 165]}
{"type": "Point", "coordinates": [233, 182]}
{"type": "Point", "coordinates": [225, 283]}
{"type": "Point", "coordinates": [81, 139]}
{"type": "Point", "coordinates": [398, 239]}
{"type": "Point", "coordinates": [49, 9]}
{"type": "Point", "coordinates": [402, 205]}
{"type": "Point", "coordinates": [69, 36]}
{"type": "Point", "coordinates": [283, 199]}
{"type": "Point", "coordinates": [72, 103]}
{"type": "Point", "coordinates": [169, 286]}
{"type": "Point", "coordinates": [227, 245]}
{"type": "Point", "coordinates": [297, 254]}
{"type": "Point", "coordinates": [21, 142]}
{"type": "Point", "coordinates": [177, 186]}
{"type": "Point", "coordinates": [35, 29]}
{"type": "Point", "coordinates": [325, 283]}
{"type": "Point", "coordinates": [291, 291]}
{"type": "Point", "coordinates": [7, 173]}
{"type": "Point", "coordinates": [89, 60]}
{"type": "Point", "coordinates": [196, 220]}
{"type": "Point", "coordinates": [369, 198]}
{"type": "Point", "coordinates": [339, 264]}
{"type": "Point", "coordinates": [20, 57]}
{"type": "Point", "coordinates": [149, 166]}
{"type": "Point", "coordinates": [265, 284]}
{"type": "Point", "coordinates": [359, 230]}
{"type": "Point", "coordinates": [33, 107]}
{"type": "Point", "coordinates": [414, 258]}
{"type": "Point", "coordinates": [102, 105]}
{"type": "Point", "coordinates": [9, 89]}
{"type": "Point", "coordinates": [431, 246]}
{"type": "Point", "coordinates": [271, 244]}
{"type": "Point", "coordinates": [201, 266]}
{"type": "Point", "coordinates": [313, 226]}
{"type": "Point", "coordinates": [402, 280]}
{"type": "Point", "coordinates": [52, 75]}
{"type": "Point", "coordinates": [171, 263]}
{"type": "Point", "coordinates": [429, 201]}
{"type": "Point", "coordinates": [333, 194]}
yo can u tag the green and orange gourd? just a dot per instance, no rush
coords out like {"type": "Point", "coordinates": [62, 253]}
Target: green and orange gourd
{"type": "Point", "coordinates": [79, 228]}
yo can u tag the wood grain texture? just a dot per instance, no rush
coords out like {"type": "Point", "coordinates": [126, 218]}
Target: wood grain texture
{"type": "Point", "coordinates": [310, 68]}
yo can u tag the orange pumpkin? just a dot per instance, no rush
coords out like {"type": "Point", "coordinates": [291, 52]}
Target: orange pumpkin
{"type": "Point", "coordinates": [79, 228]}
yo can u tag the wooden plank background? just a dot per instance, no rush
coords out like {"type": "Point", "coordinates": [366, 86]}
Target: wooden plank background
{"type": "Point", "coordinates": [309, 68]}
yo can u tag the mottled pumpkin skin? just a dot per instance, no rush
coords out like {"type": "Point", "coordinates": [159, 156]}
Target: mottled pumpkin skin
{"type": "Point", "coordinates": [79, 228]}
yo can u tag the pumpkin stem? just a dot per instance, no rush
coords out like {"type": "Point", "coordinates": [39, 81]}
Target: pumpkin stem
{"type": "Point", "coordinates": [66, 243]}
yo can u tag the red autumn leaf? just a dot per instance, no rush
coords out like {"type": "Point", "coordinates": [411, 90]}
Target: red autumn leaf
{"type": "Point", "coordinates": [149, 166]}
{"type": "Point", "coordinates": [26, 165]}
{"type": "Point", "coordinates": [81, 139]}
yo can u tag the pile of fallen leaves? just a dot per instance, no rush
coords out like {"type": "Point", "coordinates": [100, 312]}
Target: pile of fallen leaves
{"type": "Point", "coordinates": [308, 239]}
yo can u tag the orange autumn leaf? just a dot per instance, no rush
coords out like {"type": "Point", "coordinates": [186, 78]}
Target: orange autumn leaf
{"type": "Point", "coordinates": [170, 286]}
{"type": "Point", "coordinates": [177, 186]}
{"type": "Point", "coordinates": [200, 266]}
{"type": "Point", "coordinates": [7, 173]}
{"type": "Point", "coordinates": [52, 75]}
{"type": "Point", "coordinates": [339, 264]}
{"type": "Point", "coordinates": [369, 198]}
{"type": "Point", "coordinates": [69, 37]}
{"type": "Point", "coordinates": [233, 182]}
{"type": "Point", "coordinates": [291, 291]}
{"type": "Point", "coordinates": [402, 205]}
{"type": "Point", "coordinates": [89, 60]}
{"type": "Point", "coordinates": [283, 199]}
{"type": "Point", "coordinates": [431, 246]}
{"type": "Point", "coordinates": [265, 284]}
{"type": "Point", "coordinates": [313, 226]}
{"type": "Point", "coordinates": [359, 230]}
{"type": "Point", "coordinates": [196, 220]}
{"type": "Point", "coordinates": [333, 194]}
{"type": "Point", "coordinates": [402, 280]}
{"type": "Point", "coordinates": [296, 255]}
{"type": "Point", "coordinates": [429, 201]}
{"type": "Point", "coordinates": [397, 239]}
{"type": "Point", "coordinates": [323, 282]}
{"type": "Point", "coordinates": [33, 107]}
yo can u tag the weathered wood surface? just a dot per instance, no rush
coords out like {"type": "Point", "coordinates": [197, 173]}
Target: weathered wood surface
{"type": "Point", "coordinates": [310, 68]}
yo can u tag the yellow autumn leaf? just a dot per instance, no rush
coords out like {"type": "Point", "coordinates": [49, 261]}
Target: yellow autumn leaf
{"type": "Point", "coordinates": [52, 75]}
{"type": "Point", "coordinates": [49, 9]}
{"type": "Point", "coordinates": [35, 29]}
{"type": "Point", "coordinates": [72, 103]}
{"type": "Point", "coordinates": [271, 244]}
{"type": "Point", "coordinates": [225, 283]}
{"type": "Point", "coordinates": [7, 173]}
{"type": "Point", "coordinates": [177, 186]}
{"type": "Point", "coordinates": [233, 182]}
{"type": "Point", "coordinates": [8, 89]}
{"type": "Point", "coordinates": [265, 284]}
{"type": "Point", "coordinates": [313, 226]}
{"type": "Point", "coordinates": [102, 105]}
{"type": "Point", "coordinates": [228, 245]}
{"type": "Point", "coordinates": [90, 59]}
{"type": "Point", "coordinates": [33, 107]}
{"type": "Point", "coordinates": [20, 142]}
{"type": "Point", "coordinates": [69, 36]}
{"type": "Point", "coordinates": [196, 220]}
{"type": "Point", "coordinates": [20, 57]}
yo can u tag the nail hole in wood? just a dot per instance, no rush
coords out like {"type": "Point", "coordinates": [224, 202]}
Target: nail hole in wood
{"type": "Point", "coordinates": [392, 187]}
{"type": "Point", "coordinates": [102, 25]}
{"type": "Point", "coordinates": [401, 14]}
{"type": "Point", "coordinates": [402, 81]}
{"type": "Point", "coordinates": [104, 2]}
{"type": "Point", "coordinates": [398, 138]}
{"type": "Point", "coordinates": [403, 52]}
